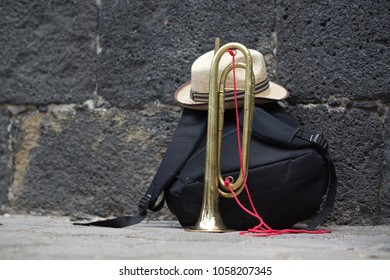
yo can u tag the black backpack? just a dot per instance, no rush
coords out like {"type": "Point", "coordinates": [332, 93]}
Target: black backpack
{"type": "Point", "coordinates": [291, 175]}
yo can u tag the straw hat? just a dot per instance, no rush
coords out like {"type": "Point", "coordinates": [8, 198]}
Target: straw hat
{"type": "Point", "coordinates": [194, 94]}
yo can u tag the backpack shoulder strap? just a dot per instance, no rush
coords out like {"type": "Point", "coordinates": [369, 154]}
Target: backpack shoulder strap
{"type": "Point", "coordinates": [272, 124]}
{"type": "Point", "coordinates": [330, 198]}
{"type": "Point", "coordinates": [188, 134]}
{"type": "Point", "coordinates": [319, 142]}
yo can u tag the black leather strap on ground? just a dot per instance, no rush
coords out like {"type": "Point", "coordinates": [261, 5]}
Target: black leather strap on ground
{"type": "Point", "coordinates": [117, 222]}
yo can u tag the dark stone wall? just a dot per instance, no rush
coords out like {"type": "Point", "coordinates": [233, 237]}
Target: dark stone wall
{"type": "Point", "coordinates": [334, 49]}
{"type": "Point", "coordinates": [47, 51]}
{"type": "Point", "coordinates": [147, 48]}
{"type": "Point", "coordinates": [86, 96]}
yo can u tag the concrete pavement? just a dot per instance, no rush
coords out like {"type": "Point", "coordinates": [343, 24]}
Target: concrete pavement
{"type": "Point", "coordinates": [47, 237]}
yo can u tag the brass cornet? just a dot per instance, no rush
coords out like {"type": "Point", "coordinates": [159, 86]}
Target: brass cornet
{"type": "Point", "coordinates": [210, 218]}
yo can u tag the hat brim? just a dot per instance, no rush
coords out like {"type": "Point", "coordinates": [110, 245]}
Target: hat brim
{"type": "Point", "coordinates": [274, 92]}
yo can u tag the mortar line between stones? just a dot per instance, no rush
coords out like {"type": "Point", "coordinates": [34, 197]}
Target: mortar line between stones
{"type": "Point", "coordinates": [17, 109]}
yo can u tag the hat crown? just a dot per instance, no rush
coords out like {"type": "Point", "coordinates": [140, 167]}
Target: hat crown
{"type": "Point", "coordinates": [200, 71]}
{"type": "Point", "coordinates": [195, 94]}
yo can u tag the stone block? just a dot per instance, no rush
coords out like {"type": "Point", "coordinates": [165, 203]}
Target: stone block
{"type": "Point", "coordinates": [48, 51]}
{"type": "Point", "coordinates": [355, 138]}
{"type": "Point", "coordinates": [81, 162]}
{"type": "Point", "coordinates": [333, 49]}
{"type": "Point", "coordinates": [5, 157]}
{"type": "Point", "coordinates": [385, 205]}
{"type": "Point", "coordinates": [147, 47]}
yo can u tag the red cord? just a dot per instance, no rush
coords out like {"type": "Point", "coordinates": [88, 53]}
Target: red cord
{"type": "Point", "coordinates": [262, 229]}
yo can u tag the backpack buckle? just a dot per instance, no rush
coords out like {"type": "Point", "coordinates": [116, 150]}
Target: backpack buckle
{"type": "Point", "coordinates": [318, 140]}
{"type": "Point", "coordinates": [145, 200]}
